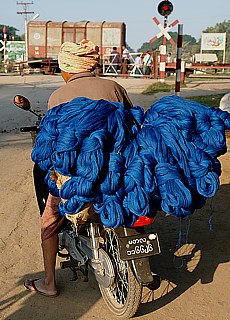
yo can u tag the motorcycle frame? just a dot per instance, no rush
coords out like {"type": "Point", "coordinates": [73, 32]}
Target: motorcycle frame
{"type": "Point", "coordinates": [85, 249]}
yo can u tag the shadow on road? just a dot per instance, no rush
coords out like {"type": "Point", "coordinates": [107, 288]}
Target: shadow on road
{"type": "Point", "coordinates": [198, 262]}
{"type": "Point", "coordinates": [199, 259]}
{"type": "Point", "coordinates": [75, 300]}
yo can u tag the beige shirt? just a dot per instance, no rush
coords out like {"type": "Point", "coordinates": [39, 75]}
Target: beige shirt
{"type": "Point", "coordinates": [90, 86]}
{"type": "Point", "coordinates": [80, 85]}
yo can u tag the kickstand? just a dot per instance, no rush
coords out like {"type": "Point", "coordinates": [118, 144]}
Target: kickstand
{"type": "Point", "coordinates": [74, 271]}
{"type": "Point", "coordinates": [85, 272]}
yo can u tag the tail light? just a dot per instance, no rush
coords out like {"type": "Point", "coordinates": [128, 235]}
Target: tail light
{"type": "Point", "coordinates": [143, 221]}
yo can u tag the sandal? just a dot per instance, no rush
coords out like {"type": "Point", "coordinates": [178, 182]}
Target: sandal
{"type": "Point", "coordinates": [30, 285]}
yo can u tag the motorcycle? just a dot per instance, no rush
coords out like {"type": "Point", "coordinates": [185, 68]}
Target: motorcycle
{"type": "Point", "coordinates": [119, 258]}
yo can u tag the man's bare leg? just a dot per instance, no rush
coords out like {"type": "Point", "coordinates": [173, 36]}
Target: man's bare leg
{"type": "Point", "coordinates": [50, 223]}
{"type": "Point", "coordinates": [47, 284]}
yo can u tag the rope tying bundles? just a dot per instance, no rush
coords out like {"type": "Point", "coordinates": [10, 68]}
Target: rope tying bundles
{"type": "Point", "coordinates": [129, 163]}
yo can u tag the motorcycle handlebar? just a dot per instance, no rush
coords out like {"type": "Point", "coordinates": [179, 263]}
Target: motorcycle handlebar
{"type": "Point", "coordinates": [29, 129]}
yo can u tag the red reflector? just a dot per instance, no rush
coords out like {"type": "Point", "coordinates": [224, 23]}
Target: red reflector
{"type": "Point", "coordinates": [143, 221]}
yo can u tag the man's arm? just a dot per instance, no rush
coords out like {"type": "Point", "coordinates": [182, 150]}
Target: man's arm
{"type": "Point", "coordinates": [126, 101]}
{"type": "Point", "coordinates": [123, 97]}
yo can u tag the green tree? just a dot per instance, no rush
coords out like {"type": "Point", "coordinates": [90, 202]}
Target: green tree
{"type": "Point", "coordinates": [129, 48]}
{"type": "Point", "coordinates": [11, 33]}
{"type": "Point", "coordinates": [190, 45]}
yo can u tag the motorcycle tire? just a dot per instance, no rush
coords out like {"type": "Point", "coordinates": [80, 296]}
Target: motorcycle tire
{"type": "Point", "coordinates": [123, 297]}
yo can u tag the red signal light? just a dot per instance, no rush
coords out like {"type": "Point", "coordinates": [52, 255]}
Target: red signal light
{"type": "Point", "coordinates": [165, 8]}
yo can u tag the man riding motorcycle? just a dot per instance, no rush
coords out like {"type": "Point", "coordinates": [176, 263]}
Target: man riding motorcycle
{"type": "Point", "coordinates": [77, 63]}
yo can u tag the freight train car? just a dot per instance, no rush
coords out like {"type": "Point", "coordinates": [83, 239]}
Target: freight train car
{"type": "Point", "coordinates": [46, 37]}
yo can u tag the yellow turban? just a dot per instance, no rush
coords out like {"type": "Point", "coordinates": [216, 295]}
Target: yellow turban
{"type": "Point", "coordinates": [78, 57]}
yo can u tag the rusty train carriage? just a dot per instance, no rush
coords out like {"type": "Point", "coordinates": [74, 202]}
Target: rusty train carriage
{"type": "Point", "coordinates": [45, 37]}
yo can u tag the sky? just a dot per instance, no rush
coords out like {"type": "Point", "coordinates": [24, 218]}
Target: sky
{"type": "Point", "coordinates": [195, 15]}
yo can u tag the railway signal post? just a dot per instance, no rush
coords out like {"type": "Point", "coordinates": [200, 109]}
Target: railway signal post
{"type": "Point", "coordinates": [164, 8]}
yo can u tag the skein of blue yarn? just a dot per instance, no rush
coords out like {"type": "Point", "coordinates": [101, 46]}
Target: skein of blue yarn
{"type": "Point", "coordinates": [128, 163]}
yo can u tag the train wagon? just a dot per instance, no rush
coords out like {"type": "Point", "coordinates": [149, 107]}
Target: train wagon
{"type": "Point", "coordinates": [46, 37]}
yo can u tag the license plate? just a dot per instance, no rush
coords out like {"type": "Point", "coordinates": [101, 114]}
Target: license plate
{"type": "Point", "coordinates": [139, 246]}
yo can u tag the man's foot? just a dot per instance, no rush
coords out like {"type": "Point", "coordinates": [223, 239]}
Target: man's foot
{"type": "Point", "coordinates": [38, 285]}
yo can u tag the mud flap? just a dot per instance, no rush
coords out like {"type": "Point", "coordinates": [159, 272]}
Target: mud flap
{"type": "Point", "coordinates": [142, 270]}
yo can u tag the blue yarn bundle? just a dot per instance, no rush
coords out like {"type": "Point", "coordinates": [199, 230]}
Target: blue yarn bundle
{"type": "Point", "coordinates": [132, 164]}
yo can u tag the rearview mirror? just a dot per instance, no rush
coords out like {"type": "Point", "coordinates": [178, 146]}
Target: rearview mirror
{"type": "Point", "coordinates": [22, 102]}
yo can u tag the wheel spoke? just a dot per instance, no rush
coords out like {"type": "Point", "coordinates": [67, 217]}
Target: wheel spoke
{"type": "Point", "coordinates": [121, 287]}
{"type": "Point", "coordinates": [124, 295]}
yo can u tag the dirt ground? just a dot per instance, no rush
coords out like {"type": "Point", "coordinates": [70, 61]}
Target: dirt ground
{"type": "Point", "coordinates": [195, 283]}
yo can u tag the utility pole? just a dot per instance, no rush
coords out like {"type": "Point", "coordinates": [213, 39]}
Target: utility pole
{"type": "Point", "coordinates": [25, 12]}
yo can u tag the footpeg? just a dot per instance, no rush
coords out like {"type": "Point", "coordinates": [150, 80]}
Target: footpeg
{"type": "Point", "coordinates": [69, 264]}
{"type": "Point", "coordinates": [63, 255]}
{"type": "Point", "coordinates": [84, 271]}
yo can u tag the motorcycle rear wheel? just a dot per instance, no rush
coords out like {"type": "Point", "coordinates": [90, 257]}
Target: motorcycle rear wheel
{"type": "Point", "coordinates": [123, 297]}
